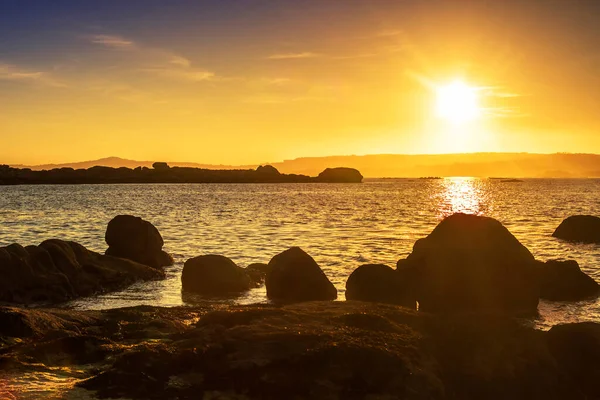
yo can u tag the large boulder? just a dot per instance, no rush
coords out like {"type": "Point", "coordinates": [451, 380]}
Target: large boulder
{"type": "Point", "coordinates": [340, 175]}
{"type": "Point", "coordinates": [579, 228]}
{"type": "Point", "coordinates": [213, 275]}
{"type": "Point", "coordinates": [378, 283]}
{"type": "Point", "coordinates": [294, 276]}
{"type": "Point", "coordinates": [136, 239]}
{"type": "Point", "coordinates": [57, 271]}
{"type": "Point", "coordinates": [564, 281]}
{"type": "Point", "coordinates": [472, 263]}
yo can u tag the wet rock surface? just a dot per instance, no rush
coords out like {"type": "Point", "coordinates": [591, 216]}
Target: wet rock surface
{"type": "Point", "coordinates": [57, 271]}
{"type": "Point", "coordinates": [138, 240]}
{"type": "Point", "coordinates": [295, 276]}
{"type": "Point", "coordinates": [472, 263]}
{"type": "Point", "coordinates": [317, 350]}
{"type": "Point", "coordinates": [579, 228]}
{"type": "Point", "coordinates": [379, 283]}
{"type": "Point", "coordinates": [564, 281]}
{"type": "Point", "coordinates": [214, 275]}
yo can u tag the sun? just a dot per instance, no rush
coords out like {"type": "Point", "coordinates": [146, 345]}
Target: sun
{"type": "Point", "coordinates": [457, 102]}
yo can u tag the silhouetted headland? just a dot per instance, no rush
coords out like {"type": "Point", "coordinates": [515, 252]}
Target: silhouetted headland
{"type": "Point", "coordinates": [162, 173]}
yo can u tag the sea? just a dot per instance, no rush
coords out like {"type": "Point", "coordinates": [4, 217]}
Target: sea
{"type": "Point", "coordinates": [342, 226]}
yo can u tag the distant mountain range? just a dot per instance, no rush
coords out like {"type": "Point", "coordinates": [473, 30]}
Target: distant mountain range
{"type": "Point", "coordinates": [561, 165]}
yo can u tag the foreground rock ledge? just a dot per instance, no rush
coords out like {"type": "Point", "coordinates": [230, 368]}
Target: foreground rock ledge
{"type": "Point", "coordinates": [316, 350]}
{"type": "Point", "coordinates": [57, 271]}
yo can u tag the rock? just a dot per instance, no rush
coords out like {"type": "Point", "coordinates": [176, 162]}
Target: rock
{"type": "Point", "coordinates": [579, 228]}
{"type": "Point", "coordinates": [161, 166]}
{"type": "Point", "coordinates": [576, 347]}
{"type": "Point", "coordinates": [137, 240]}
{"type": "Point", "coordinates": [267, 170]}
{"type": "Point", "coordinates": [340, 174]}
{"type": "Point", "coordinates": [57, 271]}
{"type": "Point", "coordinates": [257, 272]}
{"type": "Point", "coordinates": [564, 281]}
{"type": "Point", "coordinates": [378, 283]}
{"type": "Point", "coordinates": [472, 263]}
{"type": "Point", "coordinates": [342, 350]}
{"type": "Point", "coordinates": [213, 275]}
{"type": "Point", "coordinates": [295, 277]}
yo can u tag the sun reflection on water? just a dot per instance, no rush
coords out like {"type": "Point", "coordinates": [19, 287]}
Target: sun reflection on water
{"type": "Point", "coordinates": [462, 194]}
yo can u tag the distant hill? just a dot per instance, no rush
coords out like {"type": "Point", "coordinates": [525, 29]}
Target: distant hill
{"type": "Point", "coordinates": [517, 165]}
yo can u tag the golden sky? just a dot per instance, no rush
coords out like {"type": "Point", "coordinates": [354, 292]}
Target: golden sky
{"type": "Point", "coordinates": [237, 82]}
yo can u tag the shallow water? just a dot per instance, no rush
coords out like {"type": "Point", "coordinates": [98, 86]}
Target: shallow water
{"type": "Point", "coordinates": [341, 225]}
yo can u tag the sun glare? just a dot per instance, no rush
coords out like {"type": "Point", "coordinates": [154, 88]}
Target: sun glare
{"type": "Point", "coordinates": [457, 102]}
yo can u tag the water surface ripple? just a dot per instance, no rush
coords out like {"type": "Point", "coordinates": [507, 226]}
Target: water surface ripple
{"type": "Point", "coordinates": [341, 225]}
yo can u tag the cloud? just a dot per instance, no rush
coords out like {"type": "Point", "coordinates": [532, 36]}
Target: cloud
{"type": "Point", "coordinates": [112, 41]}
{"type": "Point", "coordinates": [291, 56]}
{"type": "Point", "coordinates": [185, 74]}
{"type": "Point", "coordinates": [388, 33]}
{"type": "Point", "coordinates": [9, 72]}
{"type": "Point", "coordinates": [181, 61]}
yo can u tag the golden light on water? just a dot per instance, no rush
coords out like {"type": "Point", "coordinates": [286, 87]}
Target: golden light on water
{"type": "Point", "coordinates": [462, 194]}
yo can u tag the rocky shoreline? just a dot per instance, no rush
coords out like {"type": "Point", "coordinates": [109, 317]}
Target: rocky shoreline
{"type": "Point", "coordinates": [447, 323]}
{"type": "Point", "coordinates": [162, 173]}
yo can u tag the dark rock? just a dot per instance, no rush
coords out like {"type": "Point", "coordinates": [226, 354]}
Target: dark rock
{"type": "Point", "coordinates": [213, 275]}
{"type": "Point", "coordinates": [340, 174]}
{"type": "Point", "coordinates": [136, 239]}
{"type": "Point", "coordinates": [576, 347]}
{"type": "Point", "coordinates": [267, 170]}
{"type": "Point", "coordinates": [257, 272]}
{"type": "Point", "coordinates": [56, 271]}
{"type": "Point", "coordinates": [472, 263]}
{"type": "Point", "coordinates": [161, 166]}
{"type": "Point", "coordinates": [342, 350]}
{"type": "Point", "coordinates": [295, 276]}
{"type": "Point", "coordinates": [579, 228]}
{"type": "Point", "coordinates": [564, 280]}
{"type": "Point", "coordinates": [378, 283]}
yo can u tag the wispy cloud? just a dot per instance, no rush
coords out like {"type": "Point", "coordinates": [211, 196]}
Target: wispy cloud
{"type": "Point", "coordinates": [9, 72]}
{"type": "Point", "coordinates": [181, 61]}
{"type": "Point", "coordinates": [291, 56]}
{"type": "Point", "coordinates": [388, 33]}
{"type": "Point", "coordinates": [112, 41]}
{"type": "Point", "coordinates": [187, 74]}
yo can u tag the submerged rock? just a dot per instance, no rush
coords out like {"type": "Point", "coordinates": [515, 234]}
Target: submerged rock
{"type": "Point", "coordinates": [213, 275]}
{"type": "Point", "coordinates": [472, 263]}
{"type": "Point", "coordinates": [57, 271]}
{"type": "Point", "coordinates": [257, 272]}
{"type": "Point", "coordinates": [378, 283]}
{"type": "Point", "coordinates": [137, 240]}
{"type": "Point", "coordinates": [579, 228]}
{"type": "Point", "coordinates": [340, 174]}
{"type": "Point", "coordinates": [294, 276]}
{"type": "Point", "coordinates": [564, 280]}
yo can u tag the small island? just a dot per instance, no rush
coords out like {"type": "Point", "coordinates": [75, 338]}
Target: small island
{"type": "Point", "coordinates": [163, 173]}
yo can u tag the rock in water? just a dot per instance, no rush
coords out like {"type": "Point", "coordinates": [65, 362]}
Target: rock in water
{"type": "Point", "coordinates": [579, 228]}
{"type": "Point", "coordinates": [296, 277]}
{"type": "Point", "coordinates": [472, 263]}
{"type": "Point", "coordinates": [257, 272]}
{"type": "Point", "coordinates": [340, 174]}
{"type": "Point", "coordinates": [57, 271]}
{"type": "Point", "coordinates": [378, 283]}
{"type": "Point", "coordinates": [213, 275]}
{"type": "Point", "coordinates": [136, 239]}
{"type": "Point", "coordinates": [564, 281]}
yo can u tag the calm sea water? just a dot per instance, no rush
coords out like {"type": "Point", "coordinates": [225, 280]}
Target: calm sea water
{"type": "Point", "coordinates": [341, 225]}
